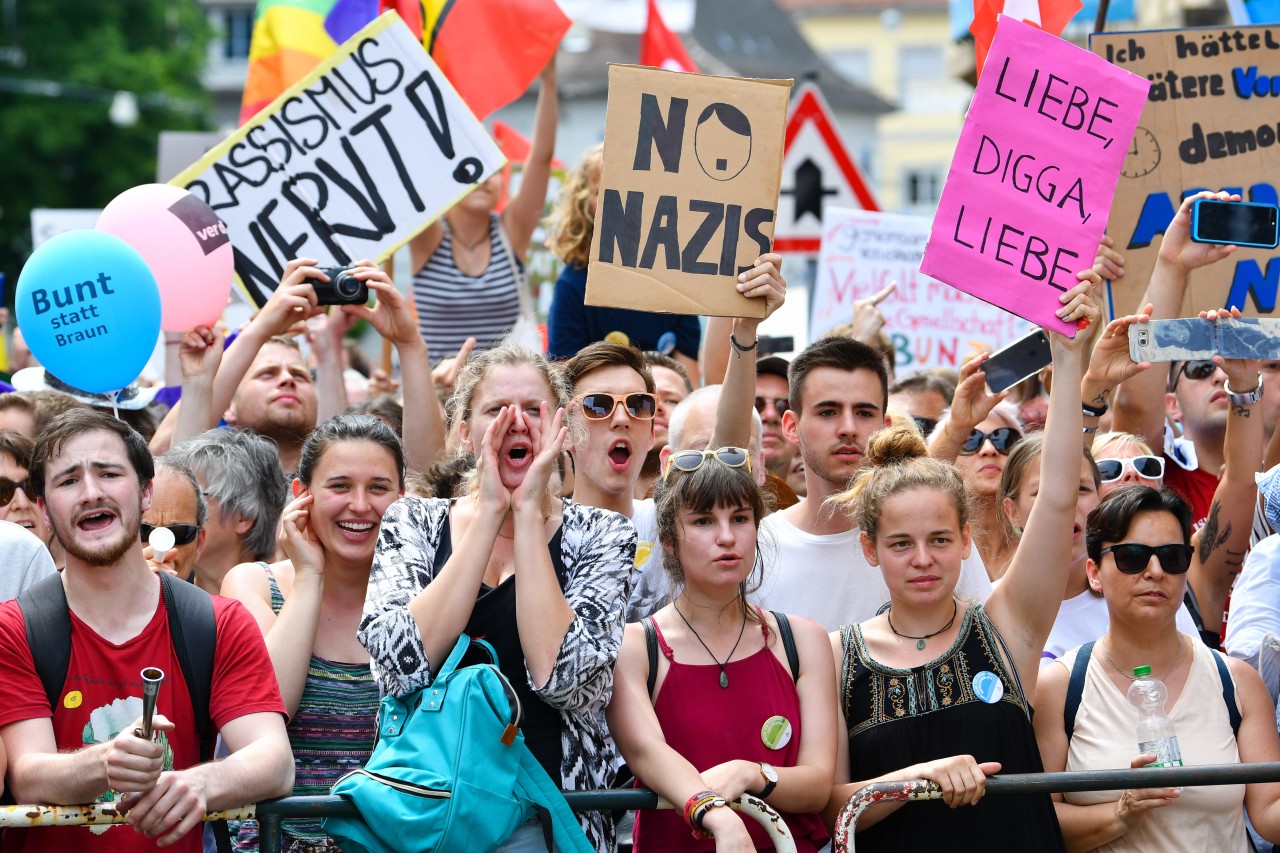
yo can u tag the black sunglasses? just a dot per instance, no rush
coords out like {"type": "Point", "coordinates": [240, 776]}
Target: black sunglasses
{"type": "Point", "coordinates": [1197, 369]}
{"type": "Point", "coordinates": [1132, 558]}
{"type": "Point", "coordinates": [926, 425]}
{"type": "Point", "coordinates": [183, 534]}
{"type": "Point", "coordinates": [598, 405]}
{"type": "Point", "coordinates": [8, 488]}
{"type": "Point", "coordinates": [781, 404]}
{"type": "Point", "coordinates": [1001, 438]}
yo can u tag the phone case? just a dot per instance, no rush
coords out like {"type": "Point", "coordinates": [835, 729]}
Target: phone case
{"type": "Point", "coordinates": [1190, 338]}
{"type": "Point", "coordinates": [1196, 227]}
{"type": "Point", "coordinates": [1019, 360]}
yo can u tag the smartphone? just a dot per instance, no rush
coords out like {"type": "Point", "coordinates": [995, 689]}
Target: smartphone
{"type": "Point", "coordinates": [1249, 338]}
{"type": "Point", "coordinates": [1183, 339]}
{"type": "Point", "coordinates": [1024, 357]}
{"type": "Point", "coordinates": [1235, 223]}
{"type": "Point", "coordinates": [770, 345]}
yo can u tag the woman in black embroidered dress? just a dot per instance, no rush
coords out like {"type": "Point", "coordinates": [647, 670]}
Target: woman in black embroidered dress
{"type": "Point", "coordinates": [934, 676]}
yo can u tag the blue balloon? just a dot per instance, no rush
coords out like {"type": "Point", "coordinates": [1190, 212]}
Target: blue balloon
{"type": "Point", "coordinates": [89, 309]}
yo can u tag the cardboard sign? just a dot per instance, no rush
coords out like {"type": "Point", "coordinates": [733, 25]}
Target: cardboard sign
{"type": "Point", "coordinates": [930, 323]}
{"type": "Point", "coordinates": [350, 163]}
{"type": "Point", "coordinates": [688, 190]}
{"type": "Point", "coordinates": [1209, 123]}
{"type": "Point", "coordinates": [1027, 197]}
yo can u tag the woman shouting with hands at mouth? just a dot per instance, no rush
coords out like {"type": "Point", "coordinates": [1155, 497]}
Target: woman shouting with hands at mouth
{"type": "Point", "coordinates": [543, 580]}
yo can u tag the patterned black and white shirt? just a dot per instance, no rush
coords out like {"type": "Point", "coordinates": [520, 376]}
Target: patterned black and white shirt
{"type": "Point", "coordinates": [598, 551]}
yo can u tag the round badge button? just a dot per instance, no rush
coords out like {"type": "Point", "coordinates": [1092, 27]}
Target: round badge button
{"type": "Point", "coordinates": [776, 732]}
{"type": "Point", "coordinates": [988, 687]}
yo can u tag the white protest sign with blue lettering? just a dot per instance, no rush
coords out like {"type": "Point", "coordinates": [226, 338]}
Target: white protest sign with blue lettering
{"type": "Point", "coordinates": [350, 163]}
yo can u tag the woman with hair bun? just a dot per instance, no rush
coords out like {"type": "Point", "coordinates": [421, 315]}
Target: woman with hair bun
{"type": "Point", "coordinates": [934, 676]}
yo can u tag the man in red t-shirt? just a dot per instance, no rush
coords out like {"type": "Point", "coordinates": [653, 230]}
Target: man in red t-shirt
{"type": "Point", "coordinates": [93, 474]}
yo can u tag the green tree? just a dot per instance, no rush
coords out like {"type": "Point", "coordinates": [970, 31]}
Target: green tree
{"type": "Point", "coordinates": [62, 149]}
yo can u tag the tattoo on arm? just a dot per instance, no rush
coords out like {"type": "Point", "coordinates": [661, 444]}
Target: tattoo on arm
{"type": "Point", "coordinates": [1211, 537]}
{"type": "Point", "coordinates": [1100, 400]}
{"type": "Point", "coordinates": [1240, 411]}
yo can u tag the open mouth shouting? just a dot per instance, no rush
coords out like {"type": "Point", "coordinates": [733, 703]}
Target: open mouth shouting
{"type": "Point", "coordinates": [518, 454]}
{"type": "Point", "coordinates": [95, 520]}
{"type": "Point", "coordinates": [620, 454]}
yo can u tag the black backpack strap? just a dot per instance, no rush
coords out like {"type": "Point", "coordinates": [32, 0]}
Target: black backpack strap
{"type": "Point", "coordinates": [1075, 688]}
{"type": "Point", "coordinates": [788, 644]}
{"type": "Point", "coordinates": [1228, 691]}
{"type": "Point", "coordinates": [47, 619]}
{"type": "Point", "coordinates": [194, 633]}
{"type": "Point", "coordinates": [651, 641]}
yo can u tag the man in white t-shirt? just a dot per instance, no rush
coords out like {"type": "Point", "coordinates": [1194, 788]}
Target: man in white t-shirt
{"type": "Point", "coordinates": [814, 564]}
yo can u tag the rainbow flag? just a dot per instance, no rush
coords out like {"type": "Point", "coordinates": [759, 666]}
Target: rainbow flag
{"type": "Point", "coordinates": [491, 50]}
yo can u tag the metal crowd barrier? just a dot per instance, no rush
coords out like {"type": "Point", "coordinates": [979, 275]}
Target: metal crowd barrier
{"type": "Point", "coordinates": [908, 790]}
{"type": "Point", "coordinates": [270, 813]}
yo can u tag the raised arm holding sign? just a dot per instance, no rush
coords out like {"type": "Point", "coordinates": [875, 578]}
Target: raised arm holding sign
{"type": "Point", "coordinates": [1034, 173]}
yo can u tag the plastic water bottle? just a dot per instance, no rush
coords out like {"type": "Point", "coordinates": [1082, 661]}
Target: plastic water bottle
{"type": "Point", "coordinates": [1155, 730]}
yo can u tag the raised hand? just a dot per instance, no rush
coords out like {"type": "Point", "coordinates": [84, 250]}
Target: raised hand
{"type": "Point", "coordinates": [392, 315]}
{"type": "Point", "coordinates": [1080, 307]}
{"type": "Point", "coordinates": [293, 301]}
{"type": "Point", "coordinates": [867, 319]}
{"type": "Point", "coordinates": [200, 353]}
{"type": "Point", "coordinates": [765, 281]}
{"type": "Point", "coordinates": [1177, 247]}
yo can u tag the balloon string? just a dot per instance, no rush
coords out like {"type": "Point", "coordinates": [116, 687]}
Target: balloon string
{"type": "Point", "coordinates": [115, 399]}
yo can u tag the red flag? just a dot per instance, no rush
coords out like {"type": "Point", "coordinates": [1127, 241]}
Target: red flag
{"type": "Point", "coordinates": [660, 48]}
{"type": "Point", "coordinates": [1052, 16]}
{"type": "Point", "coordinates": [491, 50]}
{"type": "Point", "coordinates": [515, 146]}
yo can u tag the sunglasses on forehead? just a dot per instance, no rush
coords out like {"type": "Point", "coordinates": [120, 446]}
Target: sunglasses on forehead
{"type": "Point", "coordinates": [691, 460]}
{"type": "Point", "coordinates": [1197, 369]}
{"type": "Point", "coordinates": [598, 405]}
{"type": "Point", "coordinates": [1151, 467]}
{"type": "Point", "coordinates": [1132, 558]}
{"type": "Point", "coordinates": [1001, 439]}
{"type": "Point", "coordinates": [8, 488]}
{"type": "Point", "coordinates": [183, 534]}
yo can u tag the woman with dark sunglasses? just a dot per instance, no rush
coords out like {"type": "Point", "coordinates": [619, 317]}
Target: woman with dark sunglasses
{"type": "Point", "coordinates": [712, 696]}
{"type": "Point", "coordinates": [543, 580]}
{"type": "Point", "coordinates": [17, 502]}
{"type": "Point", "coordinates": [1140, 553]}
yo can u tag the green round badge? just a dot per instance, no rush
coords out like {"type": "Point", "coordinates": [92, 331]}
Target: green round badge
{"type": "Point", "coordinates": [776, 732]}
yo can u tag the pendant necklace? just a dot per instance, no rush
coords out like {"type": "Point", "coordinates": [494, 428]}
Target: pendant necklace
{"type": "Point", "coordinates": [724, 676]}
{"type": "Point", "coordinates": [955, 608]}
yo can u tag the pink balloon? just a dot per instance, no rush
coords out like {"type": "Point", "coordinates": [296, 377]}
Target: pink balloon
{"type": "Point", "coordinates": [185, 245]}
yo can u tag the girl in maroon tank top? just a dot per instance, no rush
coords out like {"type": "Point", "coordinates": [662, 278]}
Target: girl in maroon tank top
{"type": "Point", "coordinates": [722, 714]}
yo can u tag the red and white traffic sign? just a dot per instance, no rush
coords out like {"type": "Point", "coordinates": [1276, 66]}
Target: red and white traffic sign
{"type": "Point", "coordinates": [816, 171]}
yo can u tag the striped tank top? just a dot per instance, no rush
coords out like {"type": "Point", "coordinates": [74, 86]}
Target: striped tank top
{"type": "Point", "coordinates": [331, 733]}
{"type": "Point", "coordinates": [453, 306]}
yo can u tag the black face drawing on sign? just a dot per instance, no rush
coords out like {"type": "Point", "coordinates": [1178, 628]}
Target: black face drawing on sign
{"type": "Point", "coordinates": [722, 141]}
{"type": "Point", "coordinates": [808, 190]}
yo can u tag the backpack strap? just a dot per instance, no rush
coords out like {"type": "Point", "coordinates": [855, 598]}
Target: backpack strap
{"type": "Point", "coordinates": [47, 620]}
{"type": "Point", "coordinates": [194, 633]}
{"type": "Point", "coordinates": [651, 642]}
{"type": "Point", "coordinates": [1075, 688]}
{"type": "Point", "coordinates": [549, 804]}
{"type": "Point", "coordinates": [788, 644]}
{"type": "Point", "coordinates": [1228, 691]}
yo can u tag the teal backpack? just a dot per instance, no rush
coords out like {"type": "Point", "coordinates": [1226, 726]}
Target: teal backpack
{"type": "Point", "coordinates": [451, 771]}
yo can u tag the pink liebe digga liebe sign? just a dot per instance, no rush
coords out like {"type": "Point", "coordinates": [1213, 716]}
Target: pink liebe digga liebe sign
{"type": "Point", "coordinates": [1035, 170]}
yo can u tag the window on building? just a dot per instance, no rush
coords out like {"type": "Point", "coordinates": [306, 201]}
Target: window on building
{"type": "Point", "coordinates": [854, 64]}
{"type": "Point", "coordinates": [236, 31]}
{"type": "Point", "coordinates": [924, 187]}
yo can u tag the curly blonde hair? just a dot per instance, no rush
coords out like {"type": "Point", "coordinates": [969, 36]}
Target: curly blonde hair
{"type": "Point", "coordinates": [571, 225]}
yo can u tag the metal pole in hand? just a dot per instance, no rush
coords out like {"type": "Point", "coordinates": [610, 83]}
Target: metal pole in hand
{"type": "Point", "coordinates": [152, 678]}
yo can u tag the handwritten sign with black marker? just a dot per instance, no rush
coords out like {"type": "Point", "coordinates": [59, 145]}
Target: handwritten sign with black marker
{"type": "Point", "coordinates": [350, 163]}
{"type": "Point", "coordinates": [688, 190]}
{"type": "Point", "coordinates": [1034, 173]}
{"type": "Point", "coordinates": [1210, 122]}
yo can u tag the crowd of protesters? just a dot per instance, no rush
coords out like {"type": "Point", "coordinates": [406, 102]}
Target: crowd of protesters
{"type": "Point", "coordinates": [731, 575]}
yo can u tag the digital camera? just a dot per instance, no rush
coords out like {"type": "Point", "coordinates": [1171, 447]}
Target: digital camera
{"type": "Point", "coordinates": [342, 288]}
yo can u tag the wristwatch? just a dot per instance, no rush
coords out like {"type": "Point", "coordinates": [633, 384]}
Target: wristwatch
{"type": "Point", "coordinates": [1246, 399]}
{"type": "Point", "coordinates": [770, 779]}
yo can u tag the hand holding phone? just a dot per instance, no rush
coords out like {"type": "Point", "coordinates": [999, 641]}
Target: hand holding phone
{"type": "Point", "coordinates": [1021, 359]}
{"type": "Point", "coordinates": [1235, 223]}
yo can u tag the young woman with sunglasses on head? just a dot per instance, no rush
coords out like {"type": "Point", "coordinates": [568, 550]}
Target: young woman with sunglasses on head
{"type": "Point", "coordinates": [934, 676]}
{"type": "Point", "coordinates": [976, 433]}
{"type": "Point", "coordinates": [543, 580]}
{"type": "Point", "coordinates": [1140, 552]}
{"type": "Point", "coordinates": [708, 703]}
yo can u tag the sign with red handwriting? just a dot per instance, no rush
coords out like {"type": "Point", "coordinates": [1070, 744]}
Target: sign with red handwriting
{"type": "Point", "coordinates": [1034, 173]}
